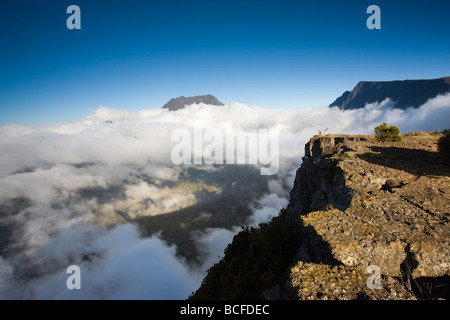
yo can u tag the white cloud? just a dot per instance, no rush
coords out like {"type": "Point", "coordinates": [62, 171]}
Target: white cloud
{"type": "Point", "coordinates": [48, 164]}
{"type": "Point", "coordinates": [212, 243]}
{"type": "Point", "coordinates": [269, 206]}
{"type": "Point", "coordinates": [121, 265]}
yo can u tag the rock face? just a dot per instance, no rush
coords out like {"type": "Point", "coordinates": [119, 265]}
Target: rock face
{"type": "Point", "coordinates": [181, 102]}
{"type": "Point", "coordinates": [407, 93]}
{"type": "Point", "coordinates": [357, 206]}
{"type": "Point", "coordinates": [357, 202]}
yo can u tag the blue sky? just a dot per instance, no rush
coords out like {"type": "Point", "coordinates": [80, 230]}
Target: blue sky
{"type": "Point", "coordinates": [136, 55]}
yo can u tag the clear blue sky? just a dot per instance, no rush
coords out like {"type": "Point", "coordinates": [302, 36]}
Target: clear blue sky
{"type": "Point", "coordinates": [139, 54]}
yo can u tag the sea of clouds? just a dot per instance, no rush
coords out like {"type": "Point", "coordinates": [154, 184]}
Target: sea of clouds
{"type": "Point", "coordinates": [49, 164]}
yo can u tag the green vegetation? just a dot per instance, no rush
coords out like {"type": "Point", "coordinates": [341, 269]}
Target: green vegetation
{"type": "Point", "coordinates": [241, 185]}
{"type": "Point", "coordinates": [179, 227]}
{"type": "Point", "coordinates": [383, 132]}
{"type": "Point", "coordinates": [330, 170]}
{"type": "Point", "coordinates": [107, 217]}
{"type": "Point", "coordinates": [195, 186]}
{"type": "Point", "coordinates": [14, 206]}
{"type": "Point", "coordinates": [101, 194]}
{"type": "Point", "coordinates": [256, 260]}
{"type": "Point", "coordinates": [444, 143]}
{"type": "Point", "coordinates": [7, 226]}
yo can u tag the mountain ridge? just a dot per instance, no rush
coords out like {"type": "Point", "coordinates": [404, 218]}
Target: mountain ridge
{"type": "Point", "coordinates": [356, 203]}
{"type": "Point", "coordinates": [406, 93]}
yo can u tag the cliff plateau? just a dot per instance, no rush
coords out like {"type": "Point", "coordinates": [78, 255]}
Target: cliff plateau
{"type": "Point", "coordinates": [356, 203]}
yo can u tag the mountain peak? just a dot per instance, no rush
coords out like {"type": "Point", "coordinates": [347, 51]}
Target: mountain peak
{"type": "Point", "coordinates": [181, 102]}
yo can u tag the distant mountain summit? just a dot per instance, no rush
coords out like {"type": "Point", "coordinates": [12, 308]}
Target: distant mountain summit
{"type": "Point", "coordinates": [181, 102]}
{"type": "Point", "coordinates": [406, 93]}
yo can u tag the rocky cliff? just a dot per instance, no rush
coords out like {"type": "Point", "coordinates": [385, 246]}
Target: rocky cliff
{"type": "Point", "coordinates": [181, 102]}
{"type": "Point", "coordinates": [356, 203]}
{"type": "Point", "coordinates": [406, 93]}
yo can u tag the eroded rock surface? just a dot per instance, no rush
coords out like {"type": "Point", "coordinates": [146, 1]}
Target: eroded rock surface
{"type": "Point", "coordinates": [358, 202]}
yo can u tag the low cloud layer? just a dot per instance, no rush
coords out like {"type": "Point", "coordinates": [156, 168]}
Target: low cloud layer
{"type": "Point", "coordinates": [48, 165]}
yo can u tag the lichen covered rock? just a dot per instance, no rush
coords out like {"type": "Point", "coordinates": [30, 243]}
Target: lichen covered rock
{"type": "Point", "coordinates": [312, 281]}
{"type": "Point", "coordinates": [358, 202]}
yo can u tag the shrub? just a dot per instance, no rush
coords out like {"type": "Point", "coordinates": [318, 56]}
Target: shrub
{"type": "Point", "coordinates": [443, 143]}
{"type": "Point", "coordinates": [255, 261]}
{"type": "Point", "coordinates": [330, 170]}
{"type": "Point", "coordinates": [383, 132]}
{"type": "Point", "coordinates": [320, 132]}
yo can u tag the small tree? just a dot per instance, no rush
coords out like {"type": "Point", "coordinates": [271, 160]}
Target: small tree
{"type": "Point", "coordinates": [443, 143]}
{"type": "Point", "coordinates": [383, 132]}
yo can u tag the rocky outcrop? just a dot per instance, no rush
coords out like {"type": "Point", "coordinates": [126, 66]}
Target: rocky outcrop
{"type": "Point", "coordinates": [357, 206]}
{"type": "Point", "coordinates": [313, 187]}
{"type": "Point", "coordinates": [181, 102]}
{"type": "Point", "coordinates": [317, 281]}
{"type": "Point", "coordinates": [407, 93]}
{"type": "Point", "coordinates": [357, 202]}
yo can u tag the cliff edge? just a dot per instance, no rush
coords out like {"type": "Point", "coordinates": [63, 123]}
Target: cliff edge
{"type": "Point", "coordinates": [357, 202]}
{"type": "Point", "coordinates": [357, 206]}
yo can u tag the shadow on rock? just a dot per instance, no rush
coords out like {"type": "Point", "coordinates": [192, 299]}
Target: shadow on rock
{"type": "Point", "coordinates": [415, 161]}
